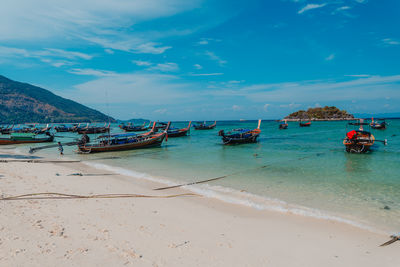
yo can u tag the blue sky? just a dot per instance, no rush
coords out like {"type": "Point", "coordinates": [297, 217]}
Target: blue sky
{"type": "Point", "coordinates": [207, 59]}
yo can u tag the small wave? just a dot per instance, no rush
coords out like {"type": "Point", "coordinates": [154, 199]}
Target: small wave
{"type": "Point", "coordinates": [238, 197]}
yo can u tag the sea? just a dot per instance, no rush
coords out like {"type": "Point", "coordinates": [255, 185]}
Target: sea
{"type": "Point", "coordinates": [301, 170]}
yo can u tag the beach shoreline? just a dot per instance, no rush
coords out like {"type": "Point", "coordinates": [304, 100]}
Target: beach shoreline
{"type": "Point", "coordinates": [182, 231]}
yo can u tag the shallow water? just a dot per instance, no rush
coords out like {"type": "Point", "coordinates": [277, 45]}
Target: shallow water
{"type": "Point", "coordinates": [301, 170]}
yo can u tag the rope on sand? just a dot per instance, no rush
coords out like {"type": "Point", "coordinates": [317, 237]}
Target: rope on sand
{"type": "Point", "coordinates": [391, 241]}
{"type": "Point", "coordinates": [204, 181]}
{"type": "Point", "coordinates": [38, 196]}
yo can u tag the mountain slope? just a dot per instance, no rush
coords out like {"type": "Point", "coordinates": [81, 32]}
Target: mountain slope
{"type": "Point", "coordinates": [22, 102]}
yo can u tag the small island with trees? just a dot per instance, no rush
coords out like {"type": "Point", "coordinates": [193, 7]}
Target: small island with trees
{"type": "Point", "coordinates": [320, 114]}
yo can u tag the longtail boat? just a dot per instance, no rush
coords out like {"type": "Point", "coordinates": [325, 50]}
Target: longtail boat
{"type": "Point", "coordinates": [125, 141]}
{"type": "Point", "coordinates": [174, 132]}
{"type": "Point", "coordinates": [94, 129]}
{"type": "Point", "coordinates": [63, 128]}
{"type": "Point", "coordinates": [359, 141]}
{"type": "Point", "coordinates": [240, 136]}
{"type": "Point", "coordinates": [161, 126]}
{"type": "Point", "coordinates": [305, 124]}
{"type": "Point", "coordinates": [283, 125]}
{"type": "Point", "coordinates": [131, 128]}
{"type": "Point", "coordinates": [378, 125]}
{"type": "Point", "coordinates": [25, 138]}
{"type": "Point", "coordinates": [7, 129]}
{"type": "Point", "coordinates": [204, 126]}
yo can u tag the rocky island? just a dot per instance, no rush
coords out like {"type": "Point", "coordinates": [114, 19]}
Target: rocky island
{"type": "Point", "coordinates": [320, 114]}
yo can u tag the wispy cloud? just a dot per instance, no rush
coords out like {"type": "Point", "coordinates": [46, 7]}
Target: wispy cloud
{"type": "Point", "coordinates": [330, 57]}
{"type": "Point", "coordinates": [389, 42]}
{"type": "Point", "coordinates": [165, 67]}
{"type": "Point", "coordinates": [206, 74]}
{"type": "Point", "coordinates": [214, 57]}
{"type": "Point", "coordinates": [310, 7]}
{"type": "Point", "coordinates": [142, 63]}
{"type": "Point", "coordinates": [108, 24]}
{"type": "Point", "coordinates": [51, 56]}
{"type": "Point", "coordinates": [92, 72]}
{"type": "Point", "coordinates": [358, 75]}
{"type": "Point", "coordinates": [131, 88]}
{"type": "Point", "coordinates": [197, 66]}
{"type": "Point", "coordinates": [343, 8]}
{"type": "Point", "coordinates": [365, 88]}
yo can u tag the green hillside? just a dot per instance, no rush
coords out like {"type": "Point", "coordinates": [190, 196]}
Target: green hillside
{"type": "Point", "coordinates": [22, 102]}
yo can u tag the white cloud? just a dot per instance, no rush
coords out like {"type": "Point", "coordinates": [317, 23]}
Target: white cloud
{"type": "Point", "coordinates": [131, 88]}
{"type": "Point", "coordinates": [197, 66]}
{"type": "Point", "coordinates": [330, 57]}
{"type": "Point", "coordinates": [365, 88]}
{"type": "Point", "coordinates": [41, 19]}
{"type": "Point", "coordinates": [92, 72]}
{"type": "Point", "coordinates": [161, 111]}
{"type": "Point", "coordinates": [310, 7]}
{"type": "Point", "coordinates": [358, 75]}
{"type": "Point", "coordinates": [51, 56]}
{"type": "Point", "coordinates": [207, 74]}
{"type": "Point", "coordinates": [142, 63]}
{"type": "Point", "coordinates": [343, 8]}
{"type": "Point", "coordinates": [109, 51]}
{"type": "Point", "coordinates": [265, 107]}
{"type": "Point", "coordinates": [389, 41]}
{"type": "Point", "coordinates": [214, 57]}
{"type": "Point", "coordinates": [108, 24]}
{"type": "Point", "coordinates": [166, 67]}
{"type": "Point", "coordinates": [236, 108]}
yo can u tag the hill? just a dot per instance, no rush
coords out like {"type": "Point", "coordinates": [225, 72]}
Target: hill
{"type": "Point", "coordinates": [325, 113]}
{"type": "Point", "coordinates": [22, 102]}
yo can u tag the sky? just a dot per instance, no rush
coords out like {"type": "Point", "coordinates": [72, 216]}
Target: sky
{"type": "Point", "coordinates": [207, 59]}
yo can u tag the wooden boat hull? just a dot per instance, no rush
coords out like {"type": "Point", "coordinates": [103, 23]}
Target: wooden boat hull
{"type": "Point", "coordinates": [304, 124]}
{"type": "Point", "coordinates": [135, 129]}
{"type": "Point", "coordinates": [152, 141]}
{"type": "Point", "coordinates": [93, 130]}
{"type": "Point", "coordinates": [381, 126]}
{"type": "Point", "coordinates": [205, 127]}
{"type": "Point", "coordinates": [359, 146]}
{"type": "Point", "coordinates": [178, 133]}
{"type": "Point", "coordinates": [230, 141]}
{"type": "Point", "coordinates": [9, 141]}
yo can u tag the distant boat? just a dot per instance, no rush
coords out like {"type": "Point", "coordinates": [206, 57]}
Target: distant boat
{"type": "Point", "coordinates": [204, 126]}
{"type": "Point", "coordinates": [283, 125]}
{"type": "Point", "coordinates": [242, 120]}
{"type": "Point", "coordinates": [63, 128]}
{"type": "Point", "coordinates": [94, 129]}
{"type": "Point", "coordinates": [173, 132]}
{"type": "Point", "coordinates": [240, 136]}
{"type": "Point", "coordinates": [378, 125]}
{"type": "Point", "coordinates": [305, 124]}
{"type": "Point", "coordinates": [125, 141]}
{"type": "Point", "coordinates": [25, 138]}
{"type": "Point", "coordinates": [131, 128]}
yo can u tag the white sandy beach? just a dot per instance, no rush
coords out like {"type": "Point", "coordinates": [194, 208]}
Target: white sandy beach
{"type": "Point", "coordinates": [182, 231]}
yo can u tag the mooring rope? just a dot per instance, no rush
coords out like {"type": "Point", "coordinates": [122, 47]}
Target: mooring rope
{"type": "Point", "coordinates": [208, 180]}
{"type": "Point", "coordinates": [52, 195]}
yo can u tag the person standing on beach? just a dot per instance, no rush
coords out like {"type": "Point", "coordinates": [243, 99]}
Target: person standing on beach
{"type": "Point", "coordinates": [60, 148]}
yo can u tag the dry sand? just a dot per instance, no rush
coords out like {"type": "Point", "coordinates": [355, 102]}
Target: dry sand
{"type": "Point", "coordinates": [183, 231]}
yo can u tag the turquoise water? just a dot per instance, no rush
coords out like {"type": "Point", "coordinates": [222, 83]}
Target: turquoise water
{"type": "Point", "coordinates": [298, 170]}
